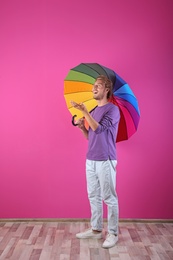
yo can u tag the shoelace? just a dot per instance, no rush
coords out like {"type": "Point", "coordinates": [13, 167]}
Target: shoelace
{"type": "Point", "coordinates": [108, 236]}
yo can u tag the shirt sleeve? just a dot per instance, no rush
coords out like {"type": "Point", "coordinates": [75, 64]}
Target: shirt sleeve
{"type": "Point", "coordinates": [110, 119]}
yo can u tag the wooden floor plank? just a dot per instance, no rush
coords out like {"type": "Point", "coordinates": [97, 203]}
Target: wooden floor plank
{"type": "Point", "coordinates": [57, 241]}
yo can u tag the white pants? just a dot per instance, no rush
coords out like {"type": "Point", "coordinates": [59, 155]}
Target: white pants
{"type": "Point", "coordinates": [101, 183]}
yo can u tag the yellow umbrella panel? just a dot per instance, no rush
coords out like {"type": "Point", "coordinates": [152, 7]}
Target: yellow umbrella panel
{"type": "Point", "coordinates": [80, 92]}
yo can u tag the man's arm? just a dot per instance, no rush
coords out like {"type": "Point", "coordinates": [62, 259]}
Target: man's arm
{"type": "Point", "coordinates": [85, 132]}
{"type": "Point", "coordinates": [81, 126]}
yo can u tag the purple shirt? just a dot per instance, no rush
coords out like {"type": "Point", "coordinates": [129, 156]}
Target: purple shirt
{"type": "Point", "coordinates": [102, 141]}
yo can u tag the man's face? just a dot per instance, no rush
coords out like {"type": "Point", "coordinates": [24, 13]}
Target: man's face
{"type": "Point", "coordinates": [99, 90]}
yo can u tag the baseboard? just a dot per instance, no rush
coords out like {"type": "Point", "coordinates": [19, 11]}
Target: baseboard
{"type": "Point", "coordinates": [123, 220]}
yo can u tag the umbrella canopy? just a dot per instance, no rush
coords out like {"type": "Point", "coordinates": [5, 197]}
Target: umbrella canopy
{"type": "Point", "coordinates": [78, 87]}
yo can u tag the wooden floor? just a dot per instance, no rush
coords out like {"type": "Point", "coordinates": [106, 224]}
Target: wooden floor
{"type": "Point", "coordinates": [57, 241]}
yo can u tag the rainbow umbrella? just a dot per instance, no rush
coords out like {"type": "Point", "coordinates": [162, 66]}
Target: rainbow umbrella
{"type": "Point", "coordinates": [78, 87]}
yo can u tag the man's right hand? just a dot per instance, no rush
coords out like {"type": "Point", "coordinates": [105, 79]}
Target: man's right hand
{"type": "Point", "coordinates": [80, 123]}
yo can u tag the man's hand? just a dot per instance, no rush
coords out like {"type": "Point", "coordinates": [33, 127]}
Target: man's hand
{"type": "Point", "coordinates": [79, 106]}
{"type": "Point", "coordinates": [92, 123]}
{"type": "Point", "coordinates": [80, 123]}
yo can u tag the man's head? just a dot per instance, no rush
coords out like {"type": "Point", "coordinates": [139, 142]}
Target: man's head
{"type": "Point", "coordinates": [102, 82]}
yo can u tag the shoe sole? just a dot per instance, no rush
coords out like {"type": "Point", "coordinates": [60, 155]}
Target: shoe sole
{"type": "Point", "coordinates": [107, 247]}
{"type": "Point", "coordinates": [89, 237]}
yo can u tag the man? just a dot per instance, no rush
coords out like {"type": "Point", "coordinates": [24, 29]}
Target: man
{"type": "Point", "coordinates": [101, 161]}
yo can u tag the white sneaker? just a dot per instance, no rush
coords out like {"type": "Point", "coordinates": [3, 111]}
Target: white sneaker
{"type": "Point", "coordinates": [89, 234]}
{"type": "Point", "coordinates": [110, 241]}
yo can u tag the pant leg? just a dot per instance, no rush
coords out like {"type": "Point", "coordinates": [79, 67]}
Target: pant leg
{"type": "Point", "coordinates": [94, 196]}
{"type": "Point", "coordinates": [107, 178]}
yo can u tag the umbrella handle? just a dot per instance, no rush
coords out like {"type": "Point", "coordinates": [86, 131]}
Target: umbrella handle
{"type": "Point", "coordinates": [73, 123]}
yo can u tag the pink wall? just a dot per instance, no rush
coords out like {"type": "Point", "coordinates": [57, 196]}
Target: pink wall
{"type": "Point", "coordinates": [42, 156]}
